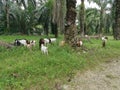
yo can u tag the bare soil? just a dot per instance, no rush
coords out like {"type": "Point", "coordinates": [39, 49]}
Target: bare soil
{"type": "Point", "coordinates": [104, 77]}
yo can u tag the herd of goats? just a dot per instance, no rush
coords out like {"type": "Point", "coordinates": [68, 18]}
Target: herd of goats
{"type": "Point", "coordinates": [31, 43]}
{"type": "Point", "coordinates": [43, 43]}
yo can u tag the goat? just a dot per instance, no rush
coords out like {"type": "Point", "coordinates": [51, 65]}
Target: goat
{"type": "Point", "coordinates": [44, 49]}
{"type": "Point", "coordinates": [47, 40]}
{"type": "Point", "coordinates": [53, 40]}
{"type": "Point", "coordinates": [41, 41]}
{"type": "Point", "coordinates": [62, 43]}
{"type": "Point", "coordinates": [31, 44]}
{"type": "Point", "coordinates": [104, 43]}
{"type": "Point", "coordinates": [104, 39]}
{"type": "Point", "coordinates": [79, 43]}
{"type": "Point", "coordinates": [19, 42]}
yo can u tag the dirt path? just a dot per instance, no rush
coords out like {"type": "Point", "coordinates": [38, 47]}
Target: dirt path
{"type": "Point", "coordinates": [105, 77]}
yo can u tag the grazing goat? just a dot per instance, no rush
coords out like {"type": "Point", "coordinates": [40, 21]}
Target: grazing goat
{"type": "Point", "coordinates": [41, 41]}
{"type": "Point", "coordinates": [47, 41]}
{"type": "Point", "coordinates": [104, 39]}
{"type": "Point", "coordinates": [31, 44]}
{"type": "Point", "coordinates": [19, 42]}
{"type": "Point", "coordinates": [44, 49]}
{"type": "Point", "coordinates": [62, 43]}
{"type": "Point", "coordinates": [79, 43]}
{"type": "Point", "coordinates": [53, 40]}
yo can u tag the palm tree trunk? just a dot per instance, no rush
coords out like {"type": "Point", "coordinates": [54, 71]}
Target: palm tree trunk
{"type": "Point", "coordinates": [62, 16]}
{"type": "Point", "coordinates": [117, 21]}
{"type": "Point", "coordinates": [82, 18]}
{"type": "Point", "coordinates": [70, 27]}
{"type": "Point", "coordinates": [113, 17]}
{"type": "Point", "coordinates": [101, 22]}
{"type": "Point", "coordinates": [55, 17]}
{"type": "Point", "coordinates": [7, 16]}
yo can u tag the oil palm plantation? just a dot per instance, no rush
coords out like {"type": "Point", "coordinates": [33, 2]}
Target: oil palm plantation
{"type": "Point", "coordinates": [92, 21]}
{"type": "Point", "coordinates": [103, 8]}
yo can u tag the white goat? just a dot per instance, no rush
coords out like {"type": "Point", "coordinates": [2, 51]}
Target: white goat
{"type": "Point", "coordinates": [44, 49]}
{"type": "Point", "coordinates": [53, 39]}
{"type": "Point", "coordinates": [46, 41]}
{"type": "Point", "coordinates": [81, 43]}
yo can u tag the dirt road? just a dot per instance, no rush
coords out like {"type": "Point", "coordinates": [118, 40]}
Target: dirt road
{"type": "Point", "coordinates": [105, 77]}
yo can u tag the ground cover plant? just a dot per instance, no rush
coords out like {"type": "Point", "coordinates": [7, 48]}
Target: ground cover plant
{"type": "Point", "coordinates": [24, 69]}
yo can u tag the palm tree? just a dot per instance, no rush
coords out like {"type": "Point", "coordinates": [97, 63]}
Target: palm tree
{"type": "Point", "coordinates": [55, 17]}
{"type": "Point", "coordinates": [58, 16]}
{"type": "Point", "coordinates": [70, 27]}
{"type": "Point", "coordinates": [92, 21]}
{"type": "Point", "coordinates": [113, 9]}
{"type": "Point", "coordinates": [62, 16]}
{"type": "Point", "coordinates": [2, 20]}
{"type": "Point", "coordinates": [22, 19]}
{"type": "Point", "coordinates": [7, 15]}
{"type": "Point", "coordinates": [117, 20]}
{"type": "Point", "coordinates": [44, 14]}
{"type": "Point", "coordinates": [103, 7]}
{"type": "Point", "coordinates": [82, 17]}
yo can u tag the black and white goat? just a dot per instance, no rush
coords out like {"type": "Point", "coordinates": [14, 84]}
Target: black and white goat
{"type": "Point", "coordinates": [104, 40]}
{"type": "Point", "coordinates": [24, 42]}
{"type": "Point", "coordinates": [46, 41]}
{"type": "Point", "coordinates": [41, 41]}
{"type": "Point", "coordinates": [49, 40]}
{"type": "Point", "coordinates": [21, 42]}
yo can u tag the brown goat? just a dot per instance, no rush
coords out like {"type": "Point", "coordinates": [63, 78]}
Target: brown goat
{"type": "Point", "coordinates": [41, 41]}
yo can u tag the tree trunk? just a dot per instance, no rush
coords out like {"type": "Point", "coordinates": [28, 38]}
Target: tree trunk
{"type": "Point", "coordinates": [82, 18]}
{"type": "Point", "coordinates": [101, 21]}
{"type": "Point", "coordinates": [117, 21]}
{"type": "Point", "coordinates": [46, 28]}
{"type": "Point", "coordinates": [113, 17]}
{"type": "Point", "coordinates": [55, 17]}
{"type": "Point", "coordinates": [62, 16]}
{"type": "Point", "coordinates": [54, 29]}
{"type": "Point", "coordinates": [7, 16]}
{"type": "Point", "coordinates": [70, 27]}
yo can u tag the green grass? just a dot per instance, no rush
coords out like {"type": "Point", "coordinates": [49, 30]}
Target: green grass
{"type": "Point", "coordinates": [24, 69]}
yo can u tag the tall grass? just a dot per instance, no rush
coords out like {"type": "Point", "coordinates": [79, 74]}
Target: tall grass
{"type": "Point", "coordinates": [24, 69]}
